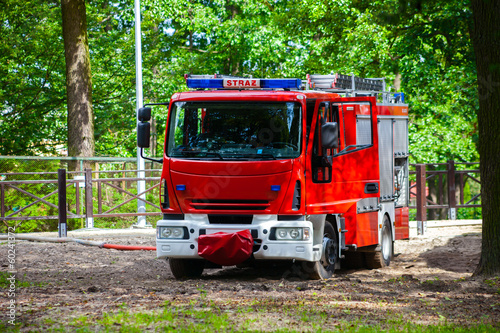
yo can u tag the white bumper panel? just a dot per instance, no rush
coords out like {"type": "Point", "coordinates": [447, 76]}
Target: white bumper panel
{"type": "Point", "coordinates": [262, 224]}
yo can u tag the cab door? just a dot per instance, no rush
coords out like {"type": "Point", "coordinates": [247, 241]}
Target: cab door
{"type": "Point", "coordinates": [338, 178]}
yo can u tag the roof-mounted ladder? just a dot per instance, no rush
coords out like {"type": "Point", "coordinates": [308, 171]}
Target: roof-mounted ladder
{"type": "Point", "coordinates": [344, 82]}
{"type": "Point", "coordinates": [352, 86]}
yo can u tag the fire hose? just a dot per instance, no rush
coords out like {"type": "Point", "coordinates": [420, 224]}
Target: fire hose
{"type": "Point", "coordinates": [79, 241]}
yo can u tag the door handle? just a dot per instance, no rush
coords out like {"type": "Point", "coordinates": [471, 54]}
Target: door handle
{"type": "Point", "coordinates": [371, 188]}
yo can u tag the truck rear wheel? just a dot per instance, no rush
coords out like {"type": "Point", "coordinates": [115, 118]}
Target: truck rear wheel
{"type": "Point", "coordinates": [383, 257]}
{"type": "Point", "coordinates": [186, 268]}
{"type": "Point", "coordinates": [324, 268]}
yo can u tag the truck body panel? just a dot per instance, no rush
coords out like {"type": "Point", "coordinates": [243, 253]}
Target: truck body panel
{"type": "Point", "coordinates": [257, 160]}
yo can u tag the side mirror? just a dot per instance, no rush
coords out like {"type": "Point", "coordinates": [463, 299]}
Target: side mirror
{"type": "Point", "coordinates": [144, 114]}
{"type": "Point", "coordinates": [329, 135]}
{"type": "Point", "coordinates": [143, 133]}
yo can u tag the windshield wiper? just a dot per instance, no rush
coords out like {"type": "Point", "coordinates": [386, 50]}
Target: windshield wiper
{"type": "Point", "coordinates": [194, 154]}
{"type": "Point", "coordinates": [255, 156]}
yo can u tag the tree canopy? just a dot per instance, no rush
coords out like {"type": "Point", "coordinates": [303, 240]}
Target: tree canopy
{"type": "Point", "coordinates": [421, 47]}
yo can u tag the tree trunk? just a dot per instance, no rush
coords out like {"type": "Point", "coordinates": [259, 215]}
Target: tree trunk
{"type": "Point", "coordinates": [397, 82]}
{"type": "Point", "coordinates": [486, 41]}
{"type": "Point", "coordinates": [78, 79]}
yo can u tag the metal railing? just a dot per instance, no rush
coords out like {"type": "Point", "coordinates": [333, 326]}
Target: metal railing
{"type": "Point", "coordinates": [106, 194]}
{"type": "Point", "coordinates": [454, 188]}
{"type": "Point", "coordinates": [110, 193]}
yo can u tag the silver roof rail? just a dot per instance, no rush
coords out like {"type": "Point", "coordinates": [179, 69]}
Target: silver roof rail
{"type": "Point", "coordinates": [352, 86]}
{"type": "Point", "coordinates": [344, 82]}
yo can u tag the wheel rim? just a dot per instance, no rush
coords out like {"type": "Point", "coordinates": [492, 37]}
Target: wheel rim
{"type": "Point", "coordinates": [386, 243]}
{"type": "Point", "coordinates": [329, 253]}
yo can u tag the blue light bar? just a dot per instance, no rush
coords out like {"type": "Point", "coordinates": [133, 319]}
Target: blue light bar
{"type": "Point", "coordinates": [243, 83]}
{"type": "Point", "coordinates": [275, 188]}
{"type": "Point", "coordinates": [280, 83]}
{"type": "Point", "coordinates": [204, 83]}
{"type": "Point", "coordinates": [180, 187]}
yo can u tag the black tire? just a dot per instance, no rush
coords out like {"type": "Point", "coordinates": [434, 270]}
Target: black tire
{"type": "Point", "coordinates": [325, 267]}
{"type": "Point", "coordinates": [383, 257]}
{"type": "Point", "coordinates": [186, 268]}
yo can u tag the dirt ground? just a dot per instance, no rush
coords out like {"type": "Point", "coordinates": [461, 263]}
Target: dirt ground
{"type": "Point", "coordinates": [429, 282]}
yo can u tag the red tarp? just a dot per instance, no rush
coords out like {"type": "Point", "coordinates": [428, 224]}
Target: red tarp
{"type": "Point", "coordinates": [226, 249]}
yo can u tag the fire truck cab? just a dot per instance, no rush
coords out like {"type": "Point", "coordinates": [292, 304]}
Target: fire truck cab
{"type": "Point", "coordinates": [314, 171]}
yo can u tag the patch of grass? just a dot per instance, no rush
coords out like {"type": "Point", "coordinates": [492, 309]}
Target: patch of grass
{"type": "Point", "coordinates": [210, 316]}
{"type": "Point", "coordinates": [5, 327]}
{"type": "Point", "coordinates": [493, 283]}
{"type": "Point", "coordinates": [251, 315]}
{"type": "Point", "coordinates": [187, 318]}
{"type": "Point", "coordinates": [20, 283]}
{"type": "Point", "coordinates": [429, 282]}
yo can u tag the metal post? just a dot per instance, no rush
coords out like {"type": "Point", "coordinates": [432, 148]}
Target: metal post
{"type": "Point", "coordinates": [89, 207]}
{"type": "Point", "coordinates": [452, 204]}
{"type": "Point", "coordinates": [2, 198]}
{"type": "Point", "coordinates": [141, 184]}
{"type": "Point", "coordinates": [421, 200]}
{"type": "Point", "coordinates": [79, 197]}
{"type": "Point", "coordinates": [61, 186]}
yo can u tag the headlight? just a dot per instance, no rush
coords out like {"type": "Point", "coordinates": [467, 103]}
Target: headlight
{"type": "Point", "coordinates": [295, 233]}
{"type": "Point", "coordinates": [171, 232]}
{"type": "Point", "coordinates": [165, 232]}
{"type": "Point", "coordinates": [291, 234]}
{"type": "Point", "coordinates": [177, 232]}
{"type": "Point", "coordinates": [282, 233]}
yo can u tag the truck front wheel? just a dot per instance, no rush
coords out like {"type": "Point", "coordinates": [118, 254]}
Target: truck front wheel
{"type": "Point", "coordinates": [324, 268]}
{"type": "Point", "coordinates": [186, 268]}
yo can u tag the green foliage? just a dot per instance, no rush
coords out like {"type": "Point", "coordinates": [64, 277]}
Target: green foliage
{"type": "Point", "coordinates": [32, 81]}
{"type": "Point", "coordinates": [425, 43]}
{"type": "Point", "coordinates": [436, 62]}
{"type": "Point", "coordinates": [18, 203]}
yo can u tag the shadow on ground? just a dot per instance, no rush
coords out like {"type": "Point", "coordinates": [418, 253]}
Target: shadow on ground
{"type": "Point", "coordinates": [460, 254]}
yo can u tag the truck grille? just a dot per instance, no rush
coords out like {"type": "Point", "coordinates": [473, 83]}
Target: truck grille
{"type": "Point", "coordinates": [230, 219]}
{"type": "Point", "coordinates": [230, 204]}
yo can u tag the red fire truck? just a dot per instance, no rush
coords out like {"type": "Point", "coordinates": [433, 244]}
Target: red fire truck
{"type": "Point", "coordinates": [314, 171]}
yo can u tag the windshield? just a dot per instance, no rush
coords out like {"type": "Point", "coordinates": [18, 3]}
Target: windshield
{"type": "Point", "coordinates": [233, 130]}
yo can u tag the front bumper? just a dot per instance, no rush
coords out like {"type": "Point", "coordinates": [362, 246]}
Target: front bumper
{"type": "Point", "coordinates": [264, 247]}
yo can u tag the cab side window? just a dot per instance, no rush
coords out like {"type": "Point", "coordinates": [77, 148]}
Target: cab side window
{"type": "Point", "coordinates": [334, 117]}
{"type": "Point", "coordinates": [322, 158]}
{"type": "Point", "coordinates": [355, 126]}
{"type": "Point", "coordinates": [309, 116]}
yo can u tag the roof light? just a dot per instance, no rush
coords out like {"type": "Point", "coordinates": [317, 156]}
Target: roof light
{"type": "Point", "coordinates": [204, 83]}
{"type": "Point", "coordinates": [243, 83]}
{"type": "Point", "coordinates": [281, 83]}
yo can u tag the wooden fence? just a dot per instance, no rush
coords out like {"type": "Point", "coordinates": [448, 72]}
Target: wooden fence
{"type": "Point", "coordinates": [455, 188]}
{"type": "Point", "coordinates": [454, 185]}
{"type": "Point", "coordinates": [87, 205]}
